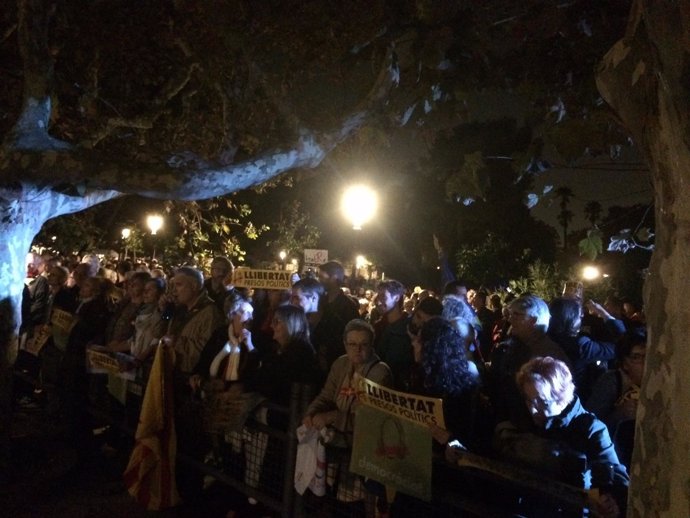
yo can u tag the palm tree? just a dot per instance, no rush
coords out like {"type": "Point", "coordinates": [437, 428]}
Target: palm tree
{"type": "Point", "coordinates": [565, 216]}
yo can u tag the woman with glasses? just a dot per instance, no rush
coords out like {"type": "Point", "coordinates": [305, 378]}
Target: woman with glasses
{"type": "Point", "coordinates": [335, 405]}
{"type": "Point", "coordinates": [565, 441]}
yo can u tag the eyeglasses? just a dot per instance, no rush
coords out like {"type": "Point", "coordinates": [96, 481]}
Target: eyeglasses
{"type": "Point", "coordinates": [540, 403]}
{"type": "Point", "coordinates": [357, 345]}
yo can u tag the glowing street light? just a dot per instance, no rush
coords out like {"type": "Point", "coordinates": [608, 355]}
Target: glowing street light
{"type": "Point", "coordinates": [154, 222]}
{"type": "Point", "coordinates": [361, 262]}
{"type": "Point", "coordinates": [282, 255]}
{"type": "Point", "coordinates": [126, 232]}
{"type": "Point", "coordinates": [359, 205]}
{"type": "Point", "coordinates": [589, 273]}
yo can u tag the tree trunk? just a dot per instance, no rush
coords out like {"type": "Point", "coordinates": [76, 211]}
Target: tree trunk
{"type": "Point", "coordinates": [645, 79]}
{"type": "Point", "coordinates": [14, 244]}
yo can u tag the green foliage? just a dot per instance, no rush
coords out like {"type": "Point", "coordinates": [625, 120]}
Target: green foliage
{"type": "Point", "coordinates": [208, 228]}
{"type": "Point", "coordinates": [542, 279]}
{"type": "Point", "coordinates": [293, 231]}
{"type": "Point", "coordinates": [488, 262]}
{"type": "Point", "coordinates": [74, 233]}
{"type": "Point", "coordinates": [471, 181]}
{"type": "Point", "coordinates": [592, 245]}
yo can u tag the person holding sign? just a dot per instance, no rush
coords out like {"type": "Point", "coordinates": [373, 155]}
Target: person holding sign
{"type": "Point", "coordinates": [448, 374]}
{"type": "Point", "coordinates": [335, 405]}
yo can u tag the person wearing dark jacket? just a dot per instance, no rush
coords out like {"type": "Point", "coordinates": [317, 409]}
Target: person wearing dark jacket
{"type": "Point", "coordinates": [564, 439]}
{"type": "Point", "coordinates": [292, 361]}
{"type": "Point", "coordinates": [582, 350]}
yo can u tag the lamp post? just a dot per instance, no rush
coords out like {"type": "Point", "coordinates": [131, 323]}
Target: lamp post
{"type": "Point", "coordinates": [155, 223]}
{"type": "Point", "coordinates": [282, 255]}
{"type": "Point", "coordinates": [589, 273]}
{"type": "Point", "coordinates": [126, 232]}
{"type": "Point", "coordinates": [359, 204]}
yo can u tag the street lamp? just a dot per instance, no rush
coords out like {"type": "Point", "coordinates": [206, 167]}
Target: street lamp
{"type": "Point", "coordinates": [589, 273]}
{"type": "Point", "coordinates": [155, 223]}
{"type": "Point", "coordinates": [126, 232]}
{"type": "Point", "coordinates": [282, 255]}
{"type": "Point", "coordinates": [359, 205]}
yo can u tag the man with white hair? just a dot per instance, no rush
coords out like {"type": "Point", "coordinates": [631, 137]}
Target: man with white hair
{"type": "Point", "coordinates": [196, 318]}
{"type": "Point", "coordinates": [529, 318]}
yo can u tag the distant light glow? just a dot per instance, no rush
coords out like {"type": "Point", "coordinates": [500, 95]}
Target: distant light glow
{"type": "Point", "coordinates": [154, 222]}
{"type": "Point", "coordinates": [282, 255]}
{"type": "Point", "coordinates": [361, 261]}
{"type": "Point", "coordinates": [589, 273]}
{"type": "Point", "coordinates": [359, 204]}
{"type": "Point", "coordinates": [126, 232]}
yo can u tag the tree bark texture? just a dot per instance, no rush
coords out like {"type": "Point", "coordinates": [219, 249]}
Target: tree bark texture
{"type": "Point", "coordinates": [645, 78]}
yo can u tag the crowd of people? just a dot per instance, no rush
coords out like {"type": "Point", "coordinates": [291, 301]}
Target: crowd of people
{"type": "Point", "coordinates": [551, 385]}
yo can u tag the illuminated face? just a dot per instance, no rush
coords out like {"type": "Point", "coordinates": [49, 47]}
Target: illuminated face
{"type": "Point", "coordinates": [521, 324]}
{"type": "Point", "coordinates": [541, 402]}
{"type": "Point", "coordinates": [308, 302]}
{"type": "Point", "coordinates": [185, 290]}
{"type": "Point", "coordinates": [386, 301]}
{"type": "Point", "coordinates": [358, 347]}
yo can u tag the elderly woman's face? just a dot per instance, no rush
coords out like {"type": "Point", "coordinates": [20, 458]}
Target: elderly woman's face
{"type": "Point", "coordinates": [541, 402]}
{"type": "Point", "coordinates": [358, 347]}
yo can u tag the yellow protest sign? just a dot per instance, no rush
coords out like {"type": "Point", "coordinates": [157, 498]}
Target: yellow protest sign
{"type": "Point", "coordinates": [262, 279]}
{"type": "Point", "coordinates": [411, 407]}
{"type": "Point", "coordinates": [34, 344]}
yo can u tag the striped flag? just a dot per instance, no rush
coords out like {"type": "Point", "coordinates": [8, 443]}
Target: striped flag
{"type": "Point", "coordinates": [150, 474]}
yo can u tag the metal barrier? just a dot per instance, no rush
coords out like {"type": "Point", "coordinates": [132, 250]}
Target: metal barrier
{"type": "Point", "coordinates": [470, 489]}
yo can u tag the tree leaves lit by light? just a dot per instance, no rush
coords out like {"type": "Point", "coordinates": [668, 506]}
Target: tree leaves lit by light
{"type": "Point", "coordinates": [621, 242]}
{"type": "Point", "coordinates": [408, 113]}
{"type": "Point", "coordinates": [626, 240]}
{"type": "Point", "coordinates": [559, 109]}
{"type": "Point", "coordinates": [592, 245]}
{"type": "Point", "coordinates": [534, 198]}
{"type": "Point", "coordinates": [394, 69]}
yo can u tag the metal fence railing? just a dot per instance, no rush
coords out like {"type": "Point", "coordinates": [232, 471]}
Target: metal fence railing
{"type": "Point", "coordinates": [259, 462]}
